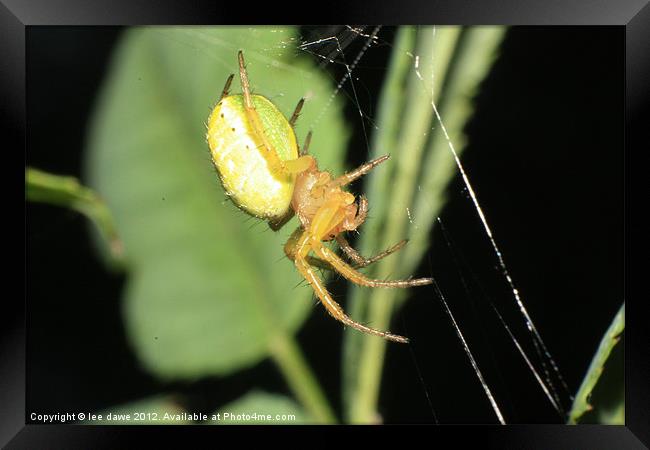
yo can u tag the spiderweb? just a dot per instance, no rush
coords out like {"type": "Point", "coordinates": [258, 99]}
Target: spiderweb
{"type": "Point", "coordinates": [507, 330]}
{"type": "Point", "coordinates": [334, 49]}
{"type": "Point", "coordinates": [477, 353]}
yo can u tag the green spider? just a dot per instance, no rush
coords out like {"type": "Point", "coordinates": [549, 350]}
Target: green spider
{"type": "Point", "coordinates": [255, 151]}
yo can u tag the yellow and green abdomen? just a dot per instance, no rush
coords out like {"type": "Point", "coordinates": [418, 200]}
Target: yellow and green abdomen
{"type": "Point", "coordinates": [238, 154]}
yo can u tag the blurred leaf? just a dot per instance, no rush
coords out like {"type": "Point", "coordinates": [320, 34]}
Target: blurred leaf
{"type": "Point", "coordinates": [210, 287]}
{"type": "Point", "coordinates": [66, 191]}
{"type": "Point", "coordinates": [256, 406]}
{"type": "Point", "coordinates": [601, 397]}
{"type": "Point", "coordinates": [157, 410]}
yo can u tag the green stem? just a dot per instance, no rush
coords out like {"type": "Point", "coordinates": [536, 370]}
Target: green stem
{"type": "Point", "coordinates": [475, 54]}
{"type": "Point", "coordinates": [451, 66]}
{"type": "Point", "coordinates": [610, 339]}
{"type": "Point", "coordinates": [67, 192]}
{"type": "Point", "coordinates": [416, 124]}
{"type": "Point", "coordinates": [384, 141]}
{"type": "Point", "coordinates": [291, 362]}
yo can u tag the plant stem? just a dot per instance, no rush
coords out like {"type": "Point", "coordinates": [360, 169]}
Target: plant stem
{"type": "Point", "coordinates": [475, 53]}
{"type": "Point", "coordinates": [610, 339]}
{"type": "Point", "coordinates": [384, 140]}
{"type": "Point", "coordinates": [414, 129]}
{"type": "Point", "coordinates": [449, 69]}
{"type": "Point", "coordinates": [291, 362]}
{"type": "Point", "coordinates": [67, 192]}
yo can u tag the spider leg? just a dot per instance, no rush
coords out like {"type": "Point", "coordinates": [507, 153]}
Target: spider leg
{"type": "Point", "coordinates": [277, 165]}
{"type": "Point", "coordinates": [290, 251]}
{"type": "Point", "coordinates": [360, 171]}
{"type": "Point", "coordinates": [296, 112]}
{"type": "Point", "coordinates": [360, 261]}
{"type": "Point", "coordinates": [357, 277]}
{"type": "Point", "coordinates": [226, 88]}
{"type": "Point", "coordinates": [300, 246]}
{"type": "Point", "coordinates": [276, 225]}
{"type": "Point", "coordinates": [328, 215]}
{"type": "Point", "coordinates": [291, 246]}
{"type": "Point", "coordinates": [305, 147]}
{"type": "Point", "coordinates": [362, 212]}
{"type": "Point", "coordinates": [335, 309]}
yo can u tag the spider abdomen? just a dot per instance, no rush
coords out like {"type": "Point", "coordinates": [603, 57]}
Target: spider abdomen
{"type": "Point", "coordinates": [239, 155]}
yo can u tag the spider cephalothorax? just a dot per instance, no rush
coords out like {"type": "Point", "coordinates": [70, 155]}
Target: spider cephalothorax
{"type": "Point", "coordinates": [315, 189]}
{"type": "Point", "coordinates": [255, 151]}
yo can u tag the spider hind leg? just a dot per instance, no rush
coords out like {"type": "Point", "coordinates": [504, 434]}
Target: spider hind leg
{"type": "Point", "coordinates": [296, 112]}
{"type": "Point", "coordinates": [334, 309]}
{"type": "Point", "coordinates": [226, 88]}
{"type": "Point", "coordinates": [305, 147]}
{"type": "Point", "coordinates": [357, 277]}
{"type": "Point", "coordinates": [296, 249]}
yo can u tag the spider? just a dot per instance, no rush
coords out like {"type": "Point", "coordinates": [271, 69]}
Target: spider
{"type": "Point", "coordinates": [255, 151]}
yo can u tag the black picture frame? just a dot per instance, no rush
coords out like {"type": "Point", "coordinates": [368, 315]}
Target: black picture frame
{"type": "Point", "coordinates": [633, 15]}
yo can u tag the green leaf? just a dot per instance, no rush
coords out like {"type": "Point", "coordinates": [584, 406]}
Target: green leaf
{"type": "Point", "coordinates": [210, 289]}
{"type": "Point", "coordinates": [159, 410]}
{"type": "Point", "coordinates": [259, 407]}
{"type": "Point", "coordinates": [601, 397]}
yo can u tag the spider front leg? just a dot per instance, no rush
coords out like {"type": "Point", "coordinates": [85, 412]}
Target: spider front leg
{"type": "Point", "coordinates": [358, 260]}
{"type": "Point", "coordinates": [298, 249]}
{"type": "Point", "coordinates": [277, 165]}
{"type": "Point", "coordinates": [275, 226]}
{"type": "Point", "coordinates": [360, 171]}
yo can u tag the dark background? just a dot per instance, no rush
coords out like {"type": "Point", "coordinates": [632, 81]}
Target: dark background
{"type": "Point", "coordinates": [544, 156]}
